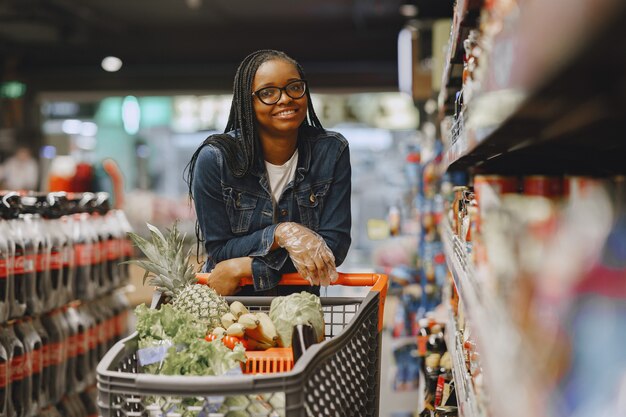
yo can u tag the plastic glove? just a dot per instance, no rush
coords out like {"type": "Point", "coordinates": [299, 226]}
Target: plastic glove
{"type": "Point", "coordinates": [310, 255]}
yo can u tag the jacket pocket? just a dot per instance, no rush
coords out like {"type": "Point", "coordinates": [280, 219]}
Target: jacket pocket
{"type": "Point", "coordinates": [240, 208]}
{"type": "Point", "coordinates": [311, 203]}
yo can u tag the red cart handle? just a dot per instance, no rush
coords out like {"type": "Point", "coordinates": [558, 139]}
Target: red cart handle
{"type": "Point", "coordinates": [378, 282]}
{"type": "Point", "coordinates": [351, 280]}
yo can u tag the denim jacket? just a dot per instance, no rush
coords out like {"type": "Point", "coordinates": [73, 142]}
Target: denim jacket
{"type": "Point", "coordinates": [237, 216]}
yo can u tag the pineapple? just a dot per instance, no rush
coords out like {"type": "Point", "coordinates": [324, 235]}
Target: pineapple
{"type": "Point", "coordinates": [168, 269]}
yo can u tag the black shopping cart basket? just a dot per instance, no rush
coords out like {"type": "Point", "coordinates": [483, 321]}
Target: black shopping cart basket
{"type": "Point", "coordinates": [338, 377]}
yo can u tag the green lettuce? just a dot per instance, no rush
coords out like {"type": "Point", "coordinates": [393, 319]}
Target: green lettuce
{"type": "Point", "coordinates": [203, 358]}
{"type": "Point", "coordinates": [167, 324]}
{"type": "Point", "coordinates": [298, 308]}
{"type": "Point", "coordinates": [188, 353]}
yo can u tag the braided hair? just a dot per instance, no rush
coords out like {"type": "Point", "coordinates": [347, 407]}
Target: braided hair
{"type": "Point", "coordinates": [244, 149]}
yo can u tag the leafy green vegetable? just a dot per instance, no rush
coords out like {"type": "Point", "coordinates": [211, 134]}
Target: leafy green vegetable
{"type": "Point", "coordinates": [188, 352]}
{"type": "Point", "coordinates": [167, 324]}
{"type": "Point", "coordinates": [203, 358]}
{"type": "Point", "coordinates": [294, 309]}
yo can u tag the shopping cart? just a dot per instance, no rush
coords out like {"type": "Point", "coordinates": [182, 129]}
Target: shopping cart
{"type": "Point", "coordinates": [338, 377]}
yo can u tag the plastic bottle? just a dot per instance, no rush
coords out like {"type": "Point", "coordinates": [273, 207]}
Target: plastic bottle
{"type": "Point", "coordinates": [44, 386]}
{"type": "Point", "coordinates": [87, 249]}
{"type": "Point", "coordinates": [105, 241]}
{"type": "Point", "coordinates": [97, 311]}
{"type": "Point", "coordinates": [11, 207]}
{"type": "Point", "coordinates": [57, 353]}
{"type": "Point", "coordinates": [98, 334]}
{"type": "Point", "coordinates": [78, 371]}
{"type": "Point", "coordinates": [112, 237]}
{"type": "Point", "coordinates": [93, 224]}
{"type": "Point", "coordinates": [6, 259]}
{"type": "Point", "coordinates": [120, 306]}
{"type": "Point", "coordinates": [33, 364]}
{"type": "Point", "coordinates": [4, 379]}
{"type": "Point", "coordinates": [115, 248]}
{"type": "Point", "coordinates": [91, 340]}
{"type": "Point", "coordinates": [70, 351]}
{"type": "Point", "coordinates": [66, 226]}
{"type": "Point", "coordinates": [16, 358]}
{"type": "Point", "coordinates": [108, 322]}
{"type": "Point", "coordinates": [37, 253]}
{"type": "Point", "coordinates": [58, 243]}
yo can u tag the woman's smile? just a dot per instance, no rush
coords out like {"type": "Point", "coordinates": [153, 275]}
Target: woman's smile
{"type": "Point", "coordinates": [287, 113]}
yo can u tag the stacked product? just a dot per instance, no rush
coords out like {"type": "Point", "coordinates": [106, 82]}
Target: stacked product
{"type": "Point", "coordinates": [57, 254]}
{"type": "Point", "coordinates": [538, 288]}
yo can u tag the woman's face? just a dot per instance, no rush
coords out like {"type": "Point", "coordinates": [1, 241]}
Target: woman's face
{"type": "Point", "coordinates": [285, 116]}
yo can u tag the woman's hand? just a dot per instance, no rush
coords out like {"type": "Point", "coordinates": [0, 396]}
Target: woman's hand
{"type": "Point", "coordinates": [309, 253]}
{"type": "Point", "coordinates": [226, 275]}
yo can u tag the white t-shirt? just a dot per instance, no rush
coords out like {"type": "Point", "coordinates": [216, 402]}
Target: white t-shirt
{"type": "Point", "coordinates": [280, 175]}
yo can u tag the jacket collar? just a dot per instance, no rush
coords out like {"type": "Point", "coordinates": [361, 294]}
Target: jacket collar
{"type": "Point", "coordinates": [304, 159]}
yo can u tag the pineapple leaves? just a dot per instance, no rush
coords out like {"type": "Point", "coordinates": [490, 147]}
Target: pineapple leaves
{"type": "Point", "coordinates": [167, 265]}
{"type": "Point", "coordinates": [147, 247]}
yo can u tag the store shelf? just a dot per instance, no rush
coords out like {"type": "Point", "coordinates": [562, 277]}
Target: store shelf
{"type": "Point", "coordinates": [505, 360]}
{"type": "Point", "coordinates": [464, 19]}
{"type": "Point", "coordinates": [467, 400]}
{"type": "Point", "coordinates": [554, 79]}
{"type": "Point", "coordinates": [462, 271]}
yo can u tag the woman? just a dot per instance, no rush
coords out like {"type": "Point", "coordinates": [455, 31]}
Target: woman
{"type": "Point", "coordinates": [273, 191]}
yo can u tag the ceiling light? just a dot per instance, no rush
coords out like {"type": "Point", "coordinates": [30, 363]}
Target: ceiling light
{"type": "Point", "coordinates": [111, 64]}
{"type": "Point", "coordinates": [71, 126]}
{"type": "Point", "coordinates": [88, 129]}
{"type": "Point", "coordinates": [131, 115]}
{"type": "Point", "coordinates": [194, 4]}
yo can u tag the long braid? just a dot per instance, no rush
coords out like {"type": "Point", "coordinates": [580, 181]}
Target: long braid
{"type": "Point", "coordinates": [242, 151]}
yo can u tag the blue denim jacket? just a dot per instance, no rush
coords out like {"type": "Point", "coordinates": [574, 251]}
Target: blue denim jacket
{"type": "Point", "coordinates": [237, 216]}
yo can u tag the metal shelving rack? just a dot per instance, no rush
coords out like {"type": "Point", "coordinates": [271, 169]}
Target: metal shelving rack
{"type": "Point", "coordinates": [498, 341]}
{"type": "Point", "coordinates": [467, 399]}
{"type": "Point", "coordinates": [545, 88]}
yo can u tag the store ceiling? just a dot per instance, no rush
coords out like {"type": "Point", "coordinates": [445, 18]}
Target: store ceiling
{"type": "Point", "coordinates": [195, 45]}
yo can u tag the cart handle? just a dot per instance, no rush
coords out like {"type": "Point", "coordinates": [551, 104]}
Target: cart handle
{"type": "Point", "coordinates": [378, 282]}
{"type": "Point", "coordinates": [351, 280]}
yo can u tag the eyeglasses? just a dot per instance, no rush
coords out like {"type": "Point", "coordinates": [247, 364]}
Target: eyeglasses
{"type": "Point", "coordinates": [271, 95]}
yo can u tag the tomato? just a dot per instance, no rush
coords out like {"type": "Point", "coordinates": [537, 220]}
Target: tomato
{"type": "Point", "coordinates": [231, 341]}
{"type": "Point", "coordinates": [228, 341]}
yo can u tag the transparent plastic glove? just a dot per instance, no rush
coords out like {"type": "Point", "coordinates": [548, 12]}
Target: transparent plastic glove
{"type": "Point", "coordinates": [310, 255]}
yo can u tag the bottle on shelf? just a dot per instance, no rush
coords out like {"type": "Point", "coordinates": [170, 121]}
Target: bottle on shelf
{"type": "Point", "coordinates": [79, 365]}
{"type": "Point", "coordinates": [6, 269]}
{"type": "Point", "coordinates": [87, 251]}
{"type": "Point", "coordinates": [57, 353]}
{"type": "Point", "coordinates": [36, 255]}
{"type": "Point", "coordinates": [11, 208]}
{"type": "Point", "coordinates": [4, 378]}
{"type": "Point", "coordinates": [43, 388]}
{"type": "Point", "coordinates": [16, 358]}
{"type": "Point", "coordinates": [33, 365]}
{"type": "Point", "coordinates": [59, 247]}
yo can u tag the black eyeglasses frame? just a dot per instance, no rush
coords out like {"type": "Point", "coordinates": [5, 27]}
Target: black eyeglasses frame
{"type": "Point", "coordinates": [281, 89]}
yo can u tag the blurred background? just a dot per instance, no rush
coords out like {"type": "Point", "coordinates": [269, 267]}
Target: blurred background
{"type": "Point", "coordinates": [144, 82]}
{"type": "Point", "coordinates": [487, 151]}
